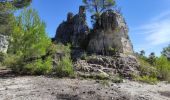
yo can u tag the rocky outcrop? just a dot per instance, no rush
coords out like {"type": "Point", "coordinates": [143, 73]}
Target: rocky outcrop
{"type": "Point", "coordinates": [74, 30]}
{"type": "Point", "coordinates": [111, 34]}
{"type": "Point", "coordinates": [124, 65]}
{"type": "Point", "coordinates": [107, 39]}
{"type": "Point", "coordinates": [3, 43]}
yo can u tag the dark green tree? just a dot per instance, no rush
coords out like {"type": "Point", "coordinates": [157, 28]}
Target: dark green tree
{"type": "Point", "coordinates": [152, 58]}
{"type": "Point", "coordinates": [17, 3]}
{"type": "Point", "coordinates": [6, 18]}
{"type": "Point", "coordinates": [7, 8]}
{"type": "Point", "coordinates": [142, 53]}
{"type": "Point", "coordinates": [98, 6]}
{"type": "Point", "coordinates": [166, 52]}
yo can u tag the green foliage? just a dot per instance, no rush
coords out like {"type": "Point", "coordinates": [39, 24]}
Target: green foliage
{"type": "Point", "coordinates": [6, 18]}
{"type": "Point", "coordinates": [98, 6]}
{"type": "Point", "coordinates": [65, 67]}
{"type": "Point", "coordinates": [147, 79]}
{"type": "Point", "coordinates": [142, 53]}
{"type": "Point", "coordinates": [65, 49]}
{"type": "Point", "coordinates": [166, 52]}
{"type": "Point", "coordinates": [102, 76]}
{"type": "Point", "coordinates": [21, 3]}
{"type": "Point", "coordinates": [163, 66]}
{"type": "Point", "coordinates": [84, 56]}
{"type": "Point", "coordinates": [29, 38]}
{"type": "Point", "coordinates": [7, 8]}
{"type": "Point", "coordinates": [152, 58]}
{"type": "Point", "coordinates": [39, 67]}
{"type": "Point", "coordinates": [17, 3]}
{"type": "Point", "coordinates": [113, 51]}
{"type": "Point", "coordinates": [2, 57]}
{"type": "Point", "coordinates": [29, 46]}
{"type": "Point", "coordinates": [147, 69]}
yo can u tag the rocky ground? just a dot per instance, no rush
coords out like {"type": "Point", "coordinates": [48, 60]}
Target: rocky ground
{"type": "Point", "coordinates": [46, 88]}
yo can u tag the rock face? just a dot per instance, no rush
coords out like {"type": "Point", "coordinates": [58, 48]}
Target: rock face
{"type": "Point", "coordinates": [126, 66]}
{"type": "Point", "coordinates": [3, 43]}
{"type": "Point", "coordinates": [74, 30]}
{"type": "Point", "coordinates": [111, 34]}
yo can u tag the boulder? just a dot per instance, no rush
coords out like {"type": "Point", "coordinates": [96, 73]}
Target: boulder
{"type": "Point", "coordinates": [4, 43]}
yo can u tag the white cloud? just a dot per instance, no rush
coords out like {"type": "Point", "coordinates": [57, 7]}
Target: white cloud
{"type": "Point", "coordinates": [157, 31]}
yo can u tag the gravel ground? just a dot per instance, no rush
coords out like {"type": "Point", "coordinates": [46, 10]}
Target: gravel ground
{"type": "Point", "coordinates": [45, 88]}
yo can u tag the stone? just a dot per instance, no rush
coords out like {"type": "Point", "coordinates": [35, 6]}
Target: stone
{"type": "Point", "coordinates": [65, 30]}
{"type": "Point", "coordinates": [74, 31]}
{"type": "Point", "coordinates": [112, 36]}
{"type": "Point", "coordinates": [124, 65]}
{"type": "Point", "coordinates": [4, 43]}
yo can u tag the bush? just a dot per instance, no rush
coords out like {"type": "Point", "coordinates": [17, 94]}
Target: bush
{"type": "Point", "coordinates": [163, 67]}
{"type": "Point", "coordinates": [2, 57]}
{"type": "Point", "coordinates": [147, 79]}
{"type": "Point", "coordinates": [35, 67]}
{"type": "Point", "coordinates": [65, 67]}
{"type": "Point", "coordinates": [146, 69]}
{"type": "Point", "coordinates": [39, 67]}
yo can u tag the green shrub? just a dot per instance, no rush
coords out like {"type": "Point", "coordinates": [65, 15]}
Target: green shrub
{"type": "Point", "coordinates": [35, 67]}
{"type": "Point", "coordinates": [2, 57]}
{"type": "Point", "coordinates": [65, 67]}
{"type": "Point", "coordinates": [39, 67]}
{"type": "Point", "coordinates": [14, 62]}
{"type": "Point", "coordinates": [146, 69]}
{"type": "Point", "coordinates": [163, 67]}
{"type": "Point", "coordinates": [84, 56]}
{"type": "Point", "coordinates": [147, 79]}
{"type": "Point", "coordinates": [65, 49]}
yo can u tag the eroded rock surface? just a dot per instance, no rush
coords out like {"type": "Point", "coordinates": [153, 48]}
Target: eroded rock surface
{"type": "Point", "coordinates": [112, 33]}
{"type": "Point", "coordinates": [74, 31]}
{"type": "Point", "coordinates": [124, 65]}
{"type": "Point", "coordinates": [3, 43]}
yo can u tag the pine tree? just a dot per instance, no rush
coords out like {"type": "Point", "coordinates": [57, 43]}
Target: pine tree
{"type": "Point", "coordinates": [166, 52]}
{"type": "Point", "coordinates": [30, 44]}
{"type": "Point", "coordinates": [7, 8]}
{"type": "Point", "coordinates": [98, 6]}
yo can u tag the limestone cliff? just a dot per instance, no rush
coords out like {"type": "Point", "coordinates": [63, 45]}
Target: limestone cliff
{"type": "Point", "coordinates": [110, 35]}
{"type": "Point", "coordinates": [74, 30]}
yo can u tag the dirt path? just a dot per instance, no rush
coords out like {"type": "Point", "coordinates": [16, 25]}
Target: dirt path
{"type": "Point", "coordinates": [43, 88]}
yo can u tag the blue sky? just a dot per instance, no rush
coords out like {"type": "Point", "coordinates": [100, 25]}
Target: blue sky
{"type": "Point", "coordinates": [148, 20]}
